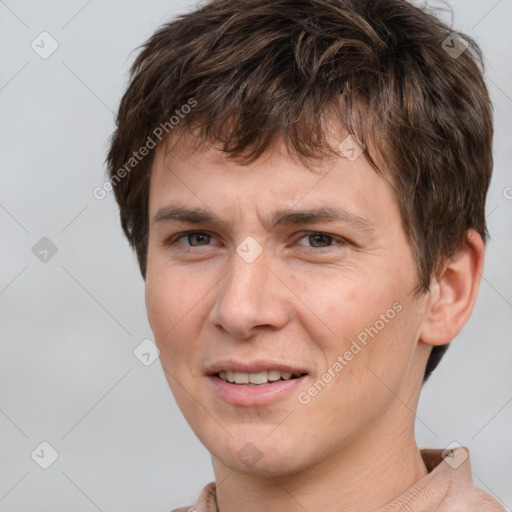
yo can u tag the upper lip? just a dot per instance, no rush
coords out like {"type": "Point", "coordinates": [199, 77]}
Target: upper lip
{"type": "Point", "coordinates": [254, 366]}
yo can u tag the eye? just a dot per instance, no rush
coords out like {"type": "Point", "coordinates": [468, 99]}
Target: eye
{"type": "Point", "coordinates": [194, 238]}
{"type": "Point", "coordinates": [318, 241]}
{"type": "Point", "coordinates": [322, 240]}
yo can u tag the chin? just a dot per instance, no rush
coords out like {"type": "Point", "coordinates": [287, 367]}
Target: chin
{"type": "Point", "coordinates": [268, 465]}
{"type": "Point", "coordinates": [260, 454]}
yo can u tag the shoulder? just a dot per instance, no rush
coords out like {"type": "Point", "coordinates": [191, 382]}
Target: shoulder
{"type": "Point", "coordinates": [478, 501]}
{"type": "Point", "coordinates": [451, 469]}
{"type": "Point", "coordinates": [448, 486]}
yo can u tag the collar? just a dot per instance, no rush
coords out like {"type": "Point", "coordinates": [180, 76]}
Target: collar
{"type": "Point", "coordinates": [446, 488]}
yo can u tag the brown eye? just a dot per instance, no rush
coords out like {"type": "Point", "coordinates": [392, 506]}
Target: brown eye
{"type": "Point", "coordinates": [196, 238]}
{"type": "Point", "coordinates": [321, 240]}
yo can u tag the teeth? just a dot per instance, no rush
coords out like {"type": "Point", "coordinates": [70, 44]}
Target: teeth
{"type": "Point", "coordinates": [254, 378]}
{"type": "Point", "coordinates": [273, 375]}
{"type": "Point", "coordinates": [241, 378]}
{"type": "Point", "coordinates": [257, 378]}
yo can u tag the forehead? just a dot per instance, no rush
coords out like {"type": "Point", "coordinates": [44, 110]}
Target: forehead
{"type": "Point", "coordinates": [203, 177]}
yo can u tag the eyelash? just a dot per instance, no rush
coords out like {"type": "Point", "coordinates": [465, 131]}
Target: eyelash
{"type": "Point", "coordinates": [341, 240]}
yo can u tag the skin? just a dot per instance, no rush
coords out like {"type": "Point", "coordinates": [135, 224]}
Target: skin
{"type": "Point", "coordinates": [302, 301]}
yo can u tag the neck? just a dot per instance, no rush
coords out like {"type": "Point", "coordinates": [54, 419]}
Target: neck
{"type": "Point", "coordinates": [362, 476]}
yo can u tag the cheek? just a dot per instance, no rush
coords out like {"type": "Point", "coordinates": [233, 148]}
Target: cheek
{"type": "Point", "coordinates": [161, 301]}
{"type": "Point", "coordinates": [172, 303]}
{"type": "Point", "coordinates": [370, 317]}
{"type": "Point", "coordinates": [347, 303]}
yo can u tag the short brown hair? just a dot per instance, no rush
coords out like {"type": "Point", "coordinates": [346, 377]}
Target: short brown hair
{"type": "Point", "coordinates": [263, 70]}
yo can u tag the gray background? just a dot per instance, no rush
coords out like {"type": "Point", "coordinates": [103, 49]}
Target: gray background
{"type": "Point", "coordinates": [69, 326]}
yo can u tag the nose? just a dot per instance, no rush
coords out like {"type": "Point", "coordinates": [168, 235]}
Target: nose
{"type": "Point", "coordinates": [251, 296]}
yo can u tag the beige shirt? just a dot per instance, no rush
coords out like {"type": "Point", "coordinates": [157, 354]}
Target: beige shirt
{"type": "Point", "coordinates": [447, 488]}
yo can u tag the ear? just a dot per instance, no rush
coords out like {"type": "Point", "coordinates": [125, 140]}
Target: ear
{"type": "Point", "coordinates": [453, 293]}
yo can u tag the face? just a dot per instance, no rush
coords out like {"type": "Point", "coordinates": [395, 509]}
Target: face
{"type": "Point", "coordinates": [261, 271]}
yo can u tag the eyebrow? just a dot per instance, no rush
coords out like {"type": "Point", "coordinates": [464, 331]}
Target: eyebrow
{"type": "Point", "coordinates": [327, 214]}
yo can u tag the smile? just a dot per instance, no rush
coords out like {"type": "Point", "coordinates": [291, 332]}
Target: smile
{"type": "Point", "coordinates": [261, 393]}
{"type": "Point", "coordinates": [255, 379]}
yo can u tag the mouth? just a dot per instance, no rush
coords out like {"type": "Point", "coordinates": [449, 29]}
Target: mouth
{"type": "Point", "coordinates": [257, 378]}
{"type": "Point", "coordinates": [254, 384]}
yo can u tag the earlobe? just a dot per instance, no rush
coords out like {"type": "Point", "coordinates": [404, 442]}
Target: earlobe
{"type": "Point", "coordinates": [453, 293]}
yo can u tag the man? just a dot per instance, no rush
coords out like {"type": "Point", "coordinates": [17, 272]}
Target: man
{"type": "Point", "coordinates": [304, 184]}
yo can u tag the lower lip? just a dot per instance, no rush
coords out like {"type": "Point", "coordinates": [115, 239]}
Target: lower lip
{"type": "Point", "coordinates": [250, 396]}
